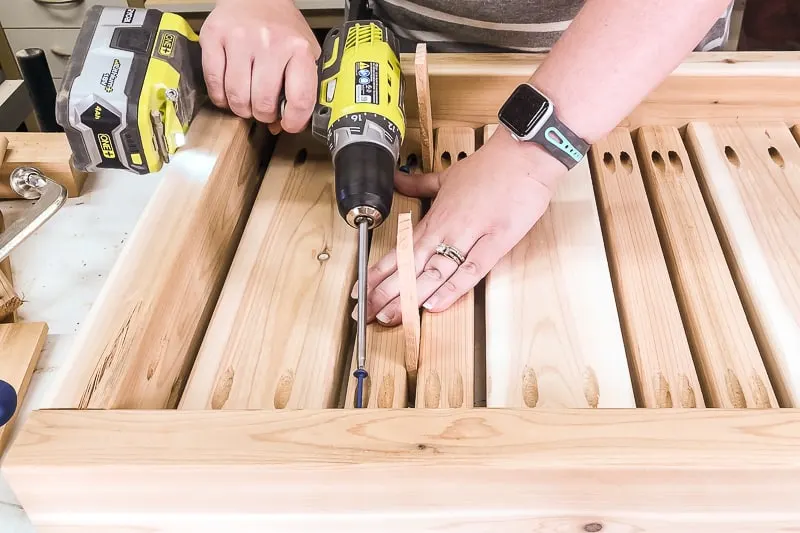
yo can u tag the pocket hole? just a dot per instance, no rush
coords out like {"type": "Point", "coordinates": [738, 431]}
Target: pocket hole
{"type": "Point", "coordinates": [461, 155]}
{"type": "Point", "coordinates": [412, 161]}
{"type": "Point", "coordinates": [776, 156]}
{"type": "Point", "coordinates": [658, 161]}
{"type": "Point", "coordinates": [626, 161]}
{"type": "Point", "coordinates": [446, 159]}
{"type": "Point", "coordinates": [732, 156]}
{"type": "Point", "coordinates": [301, 157]}
{"type": "Point", "coordinates": [608, 160]}
{"type": "Point", "coordinates": [675, 161]}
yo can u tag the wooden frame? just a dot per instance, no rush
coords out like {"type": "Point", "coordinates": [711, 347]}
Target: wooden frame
{"type": "Point", "coordinates": [519, 469]}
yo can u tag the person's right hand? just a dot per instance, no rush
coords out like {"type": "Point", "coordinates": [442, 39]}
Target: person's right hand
{"type": "Point", "coordinates": [252, 49]}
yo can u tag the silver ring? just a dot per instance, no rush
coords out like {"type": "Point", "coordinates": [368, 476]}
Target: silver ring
{"type": "Point", "coordinates": [451, 253]}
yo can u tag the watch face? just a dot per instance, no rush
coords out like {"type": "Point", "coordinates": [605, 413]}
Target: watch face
{"type": "Point", "coordinates": [523, 109]}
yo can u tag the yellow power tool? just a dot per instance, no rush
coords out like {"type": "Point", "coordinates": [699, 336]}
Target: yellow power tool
{"type": "Point", "coordinates": [130, 90]}
{"type": "Point", "coordinates": [361, 116]}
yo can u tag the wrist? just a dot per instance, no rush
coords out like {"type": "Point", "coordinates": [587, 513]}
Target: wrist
{"type": "Point", "coordinates": [535, 160]}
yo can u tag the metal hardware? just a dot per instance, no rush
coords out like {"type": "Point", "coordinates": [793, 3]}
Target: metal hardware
{"type": "Point", "coordinates": [31, 184]}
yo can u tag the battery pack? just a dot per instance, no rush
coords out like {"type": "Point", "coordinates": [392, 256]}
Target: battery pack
{"type": "Point", "coordinates": [130, 89]}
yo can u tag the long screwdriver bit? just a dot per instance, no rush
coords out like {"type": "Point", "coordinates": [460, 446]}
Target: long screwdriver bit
{"type": "Point", "coordinates": [361, 326]}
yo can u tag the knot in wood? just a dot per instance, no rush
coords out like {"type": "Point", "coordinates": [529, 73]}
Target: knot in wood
{"type": "Point", "coordinates": [593, 527]}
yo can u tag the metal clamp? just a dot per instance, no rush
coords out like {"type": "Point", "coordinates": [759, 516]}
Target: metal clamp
{"type": "Point", "coordinates": [31, 184]}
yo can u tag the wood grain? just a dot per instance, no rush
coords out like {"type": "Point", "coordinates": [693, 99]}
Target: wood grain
{"type": "Point", "coordinates": [137, 345]}
{"type": "Point", "coordinates": [388, 382]}
{"type": "Point", "coordinates": [277, 336]}
{"type": "Point", "coordinates": [49, 152]}
{"type": "Point", "coordinates": [751, 177]}
{"type": "Point", "coordinates": [424, 106]}
{"type": "Point", "coordinates": [726, 356]}
{"type": "Point", "coordinates": [446, 373]}
{"type": "Point", "coordinates": [9, 299]}
{"type": "Point", "coordinates": [719, 86]}
{"type": "Point", "coordinates": [553, 335]}
{"type": "Point", "coordinates": [20, 347]}
{"type": "Point", "coordinates": [409, 300]}
{"type": "Point", "coordinates": [625, 468]}
{"type": "Point", "coordinates": [658, 350]}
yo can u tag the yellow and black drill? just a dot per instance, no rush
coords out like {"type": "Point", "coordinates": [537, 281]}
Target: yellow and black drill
{"type": "Point", "coordinates": [361, 116]}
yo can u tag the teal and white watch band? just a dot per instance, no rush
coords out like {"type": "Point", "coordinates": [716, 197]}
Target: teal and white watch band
{"type": "Point", "coordinates": [561, 142]}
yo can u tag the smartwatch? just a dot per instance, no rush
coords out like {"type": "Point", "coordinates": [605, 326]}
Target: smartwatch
{"type": "Point", "coordinates": [530, 116]}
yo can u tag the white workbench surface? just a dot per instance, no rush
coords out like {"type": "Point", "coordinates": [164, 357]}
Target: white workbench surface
{"type": "Point", "coordinates": [58, 272]}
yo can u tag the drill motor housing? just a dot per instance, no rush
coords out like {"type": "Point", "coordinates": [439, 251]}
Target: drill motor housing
{"type": "Point", "coordinates": [360, 114]}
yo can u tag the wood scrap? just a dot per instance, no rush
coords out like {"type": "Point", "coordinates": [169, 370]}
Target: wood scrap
{"type": "Point", "coordinates": [725, 352]}
{"type": "Point", "coordinates": [277, 337]}
{"type": "Point", "coordinates": [750, 177]}
{"type": "Point", "coordinates": [49, 152]}
{"type": "Point", "coordinates": [424, 105]}
{"type": "Point", "coordinates": [659, 352]}
{"type": "Point", "coordinates": [9, 299]}
{"type": "Point", "coordinates": [553, 333]}
{"type": "Point", "coordinates": [446, 372]}
{"type": "Point", "coordinates": [20, 347]}
{"type": "Point", "coordinates": [137, 345]}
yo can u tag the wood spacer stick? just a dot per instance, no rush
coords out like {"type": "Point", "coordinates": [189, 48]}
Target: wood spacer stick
{"type": "Point", "coordinates": [409, 306]}
{"type": "Point", "coordinates": [424, 103]}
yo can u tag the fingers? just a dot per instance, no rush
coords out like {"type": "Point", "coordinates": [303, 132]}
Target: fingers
{"type": "Point", "coordinates": [301, 91]}
{"type": "Point", "coordinates": [238, 76]}
{"type": "Point", "coordinates": [479, 262]}
{"type": "Point", "coordinates": [417, 185]}
{"type": "Point", "coordinates": [266, 88]}
{"type": "Point", "coordinates": [436, 270]}
{"type": "Point", "coordinates": [214, 67]}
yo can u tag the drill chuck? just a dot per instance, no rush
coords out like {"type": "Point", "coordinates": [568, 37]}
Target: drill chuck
{"type": "Point", "coordinates": [364, 180]}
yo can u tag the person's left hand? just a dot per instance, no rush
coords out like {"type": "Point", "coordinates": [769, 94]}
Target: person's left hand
{"type": "Point", "coordinates": [485, 204]}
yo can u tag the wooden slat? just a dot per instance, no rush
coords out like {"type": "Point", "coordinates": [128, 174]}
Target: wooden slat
{"type": "Point", "coordinates": [664, 374]}
{"type": "Point", "coordinates": [706, 86]}
{"type": "Point", "coordinates": [136, 347]}
{"type": "Point", "coordinates": [725, 352]}
{"type": "Point", "coordinates": [446, 373]}
{"type": "Point", "coordinates": [277, 336]}
{"type": "Point", "coordinates": [699, 470]}
{"type": "Point", "coordinates": [553, 335]}
{"type": "Point", "coordinates": [49, 152]}
{"type": "Point", "coordinates": [9, 299]}
{"type": "Point", "coordinates": [20, 347]}
{"type": "Point", "coordinates": [751, 177]}
{"type": "Point", "coordinates": [387, 384]}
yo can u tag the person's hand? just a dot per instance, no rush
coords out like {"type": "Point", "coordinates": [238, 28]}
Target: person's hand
{"type": "Point", "coordinates": [485, 204]}
{"type": "Point", "coordinates": [249, 48]}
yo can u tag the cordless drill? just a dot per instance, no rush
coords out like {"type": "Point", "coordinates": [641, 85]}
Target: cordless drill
{"type": "Point", "coordinates": [360, 114]}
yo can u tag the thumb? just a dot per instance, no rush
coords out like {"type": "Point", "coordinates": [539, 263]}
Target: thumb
{"type": "Point", "coordinates": [417, 185]}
